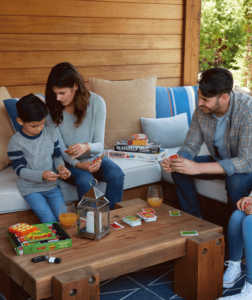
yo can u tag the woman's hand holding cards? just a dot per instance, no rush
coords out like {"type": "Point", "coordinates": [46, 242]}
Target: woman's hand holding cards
{"type": "Point", "coordinates": [88, 166]}
{"type": "Point", "coordinates": [77, 149]}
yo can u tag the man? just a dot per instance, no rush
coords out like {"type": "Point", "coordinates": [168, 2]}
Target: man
{"type": "Point", "coordinates": [223, 120]}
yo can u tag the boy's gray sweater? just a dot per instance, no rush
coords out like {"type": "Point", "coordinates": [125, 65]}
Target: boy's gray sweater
{"type": "Point", "coordinates": [31, 156]}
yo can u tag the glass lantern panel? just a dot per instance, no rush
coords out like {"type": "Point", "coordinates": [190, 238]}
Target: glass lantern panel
{"type": "Point", "coordinates": [104, 218]}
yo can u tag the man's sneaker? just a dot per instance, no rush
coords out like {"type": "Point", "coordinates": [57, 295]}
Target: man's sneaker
{"type": "Point", "coordinates": [245, 294]}
{"type": "Point", "coordinates": [232, 273]}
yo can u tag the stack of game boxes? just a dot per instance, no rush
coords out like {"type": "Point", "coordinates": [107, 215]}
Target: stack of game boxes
{"type": "Point", "coordinates": [138, 147]}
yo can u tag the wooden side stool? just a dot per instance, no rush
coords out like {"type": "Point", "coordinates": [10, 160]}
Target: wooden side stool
{"type": "Point", "coordinates": [199, 274]}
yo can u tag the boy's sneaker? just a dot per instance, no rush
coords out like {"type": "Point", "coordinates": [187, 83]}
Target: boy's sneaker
{"type": "Point", "coordinates": [232, 273]}
{"type": "Point", "coordinates": [245, 294]}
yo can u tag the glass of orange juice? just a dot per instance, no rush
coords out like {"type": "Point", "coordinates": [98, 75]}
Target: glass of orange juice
{"type": "Point", "coordinates": [155, 195]}
{"type": "Point", "coordinates": [67, 215]}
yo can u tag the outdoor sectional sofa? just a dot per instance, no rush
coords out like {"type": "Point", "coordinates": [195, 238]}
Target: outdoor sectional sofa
{"type": "Point", "coordinates": [173, 111]}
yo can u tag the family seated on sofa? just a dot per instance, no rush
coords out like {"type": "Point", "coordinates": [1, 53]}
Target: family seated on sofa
{"type": "Point", "coordinates": [76, 127]}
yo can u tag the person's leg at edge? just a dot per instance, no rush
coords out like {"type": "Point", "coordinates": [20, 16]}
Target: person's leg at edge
{"type": "Point", "coordinates": [81, 179]}
{"type": "Point", "coordinates": [39, 205]}
{"type": "Point", "coordinates": [54, 198]}
{"type": "Point", "coordinates": [238, 185]}
{"type": "Point", "coordinates": [186, 190]}
{"type": "Point", "coordinates": [235, 238]}
{"type": "Point", "coordinates": [247, 240]}
{"type": "Point", "coordinates": [240, 227]}
{"type": "Point", "coordinates": [113, 175]}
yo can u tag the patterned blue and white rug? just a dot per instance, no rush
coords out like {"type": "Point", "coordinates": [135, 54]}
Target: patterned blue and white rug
{"type": "Point", "coordinates": [154, 283]}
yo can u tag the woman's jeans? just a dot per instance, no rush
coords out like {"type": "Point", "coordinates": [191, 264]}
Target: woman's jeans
{"type": "Point", "coordinates": [109, 172]}
{"type": "Point", "coordinates": [239, 238]}
{"type": "Point", "coordinates": [237, 186]}
{"type": "Point", "coordinates": [46, 205]}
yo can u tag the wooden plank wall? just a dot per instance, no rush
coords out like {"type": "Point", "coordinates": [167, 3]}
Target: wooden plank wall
{"type": "Point", "coordinates": [109, 39]}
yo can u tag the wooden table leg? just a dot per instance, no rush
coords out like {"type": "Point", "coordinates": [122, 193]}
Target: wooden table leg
{"type": "Point", "coordinates": [199, 274]}
{"type": "Point", "coordinates": [10, 289]}
{"type": "Point", "coordinates": [78, 284]}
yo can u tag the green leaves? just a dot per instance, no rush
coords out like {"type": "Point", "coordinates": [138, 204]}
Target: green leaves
{"type": "Point", "coordinates": [224, 32]}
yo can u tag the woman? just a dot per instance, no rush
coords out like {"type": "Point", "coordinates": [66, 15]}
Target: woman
{"type": "Point", "coordinates": [79, 119]}
{"type": "Point", "coordinates": [239, 238]}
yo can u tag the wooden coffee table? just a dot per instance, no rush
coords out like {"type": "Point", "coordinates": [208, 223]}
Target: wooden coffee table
{"type": "Point", "coordinates": [198, 265]}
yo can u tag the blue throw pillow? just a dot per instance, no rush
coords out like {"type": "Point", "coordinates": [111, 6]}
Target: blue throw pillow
{"type": "Point", "coordinates": [10, 105]}
{"type": "Point", "coordinates": [171, 132]}
{"type": "Point", "coordinates": [176, 100]}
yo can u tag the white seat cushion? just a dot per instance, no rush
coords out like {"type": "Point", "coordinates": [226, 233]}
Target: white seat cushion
{"type": "Point", "coordinates": [136, 173]}
{"type": "Point", "coordinates": [213, 189]}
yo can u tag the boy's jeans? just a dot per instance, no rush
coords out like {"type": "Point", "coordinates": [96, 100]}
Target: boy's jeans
{"type": "Point", "coordinates": [46, 205]}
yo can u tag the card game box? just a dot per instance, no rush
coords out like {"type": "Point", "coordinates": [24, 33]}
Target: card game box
{"type": "Point", "coordinates": [156, 157]}
{"type": "Point", "coordinates": [138, 136]}
{"type": "Point", "coordinates": [49, 236]}
{"type": "Point", "coordinates": [149, 148]}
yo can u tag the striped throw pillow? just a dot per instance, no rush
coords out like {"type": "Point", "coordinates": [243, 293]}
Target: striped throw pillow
{"type": "Point", "coordinates": [172, 101]}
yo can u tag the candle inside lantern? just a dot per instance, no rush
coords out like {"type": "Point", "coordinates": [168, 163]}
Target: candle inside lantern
{"type": "Point", "coordinates": [90, 226]}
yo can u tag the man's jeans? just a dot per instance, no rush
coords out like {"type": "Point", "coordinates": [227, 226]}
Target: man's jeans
{"type": "Point", "coordinates": [239, 238]}
{"type": "Point", "coordinates": [237, 186]}
{"type": "Point", "coordinates": [109, 172]}
{"type": "Point", "coordinates": [46, 205]}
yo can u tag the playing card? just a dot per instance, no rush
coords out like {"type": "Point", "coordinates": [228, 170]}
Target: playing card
{"type": "Point", "coordinates": [98, 158]}
{"type": "Point", "coordinates": [131, 219]}
{"type": "Point", "coordinates": [246, 204]}
{"type": "Point", "coordinates": [149, 210]}
{"type": "Point", "coordinates": [174, 213]}
{"type": "Point", "coordinates": [146, 215]}
{"type": "Point", "coordinates": [188, 233]}
{"type": "Point", "coordinates": [173, 156]}
{"type": "Point", "coordinates": [116, 226]}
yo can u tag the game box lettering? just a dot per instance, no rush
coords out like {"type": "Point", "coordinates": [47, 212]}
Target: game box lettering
{"type": "Point", "coordinates": [58, 239]}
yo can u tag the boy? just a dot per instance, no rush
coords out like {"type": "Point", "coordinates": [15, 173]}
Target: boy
{"type": "Point", "coordinates": [33, 151]}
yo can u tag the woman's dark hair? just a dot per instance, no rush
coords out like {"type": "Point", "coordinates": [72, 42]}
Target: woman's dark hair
{"type": "Point", "coordinates": [31, 109]}
{"type": "Point", "coordinates": [65, 75]}
{"type": "Point", "coordinates": [216, 82]}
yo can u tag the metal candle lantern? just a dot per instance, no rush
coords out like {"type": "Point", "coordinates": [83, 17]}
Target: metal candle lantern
{"type": "Point", "coordinates": [93, 216]}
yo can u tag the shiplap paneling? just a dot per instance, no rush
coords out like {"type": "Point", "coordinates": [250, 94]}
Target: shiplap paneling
{"type": "Point", "coordinates": [19, 91]}
{"type": "Point", "coordinates": [176, 2]}
{"type": "Point", "coordinates": [39, 59]}
{"type": "Point", "coordinates": [32, 24]}
{"type": "Point", "coordinates": [93, 9]}
{"type": "Point", "coordinates": [54, 42]}
{"type": "Point", "coordinates": [110, 39]}
{"type": "Point", "coordinates": [38, 76]}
